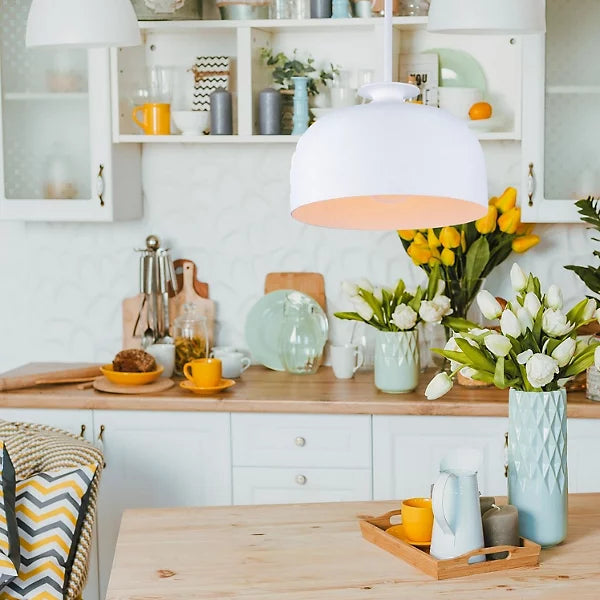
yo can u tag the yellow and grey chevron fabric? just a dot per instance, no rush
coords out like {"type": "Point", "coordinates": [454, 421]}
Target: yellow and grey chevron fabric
{"type": "Point", "coordinates": [9, 542]}
{"type": "Point", "coordinates": [40, 449]}
{"type": "Point", "coordinates": [50, 508]}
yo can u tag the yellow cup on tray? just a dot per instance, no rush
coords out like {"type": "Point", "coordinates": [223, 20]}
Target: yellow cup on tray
{"type": "Point", "coordinates": [204, 372]}
{"type": "Point", "coordinates": [417, 519]}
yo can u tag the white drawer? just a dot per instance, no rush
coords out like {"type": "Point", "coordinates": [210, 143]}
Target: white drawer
{"type": "Point", "coordinates": [274, 440]}
{"type": "Point", "coordinates": [253, 485]}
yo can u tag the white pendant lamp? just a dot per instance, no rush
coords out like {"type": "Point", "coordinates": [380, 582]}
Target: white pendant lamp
{"type": "Point", "coordinates": [510, 17]}
{"type": "Point", "coordinates": [388, 164]}
{"type": "Point", "coordinates": [82, 23]}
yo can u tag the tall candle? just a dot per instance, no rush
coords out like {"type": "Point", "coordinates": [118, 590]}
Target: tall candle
{"type": "Point", "coordinates": [501, 528]}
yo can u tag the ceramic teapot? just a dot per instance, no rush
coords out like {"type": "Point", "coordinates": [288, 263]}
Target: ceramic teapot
{"type": "Point", "coordinates": [457, 527]}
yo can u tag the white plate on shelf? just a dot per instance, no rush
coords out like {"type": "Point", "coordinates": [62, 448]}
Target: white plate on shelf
{"type": "Point", "coordinates": [494, 123]}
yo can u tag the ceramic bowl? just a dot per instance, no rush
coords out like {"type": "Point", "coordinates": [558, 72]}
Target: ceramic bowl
{"type": "Point", "coordinates": [121, 378]}
{"type": "Point", "coordinates": [191, 122]}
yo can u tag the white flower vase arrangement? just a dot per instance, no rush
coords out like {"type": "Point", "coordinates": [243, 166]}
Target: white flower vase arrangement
{"type": "Point", "coordinates": [395, 314]}
{"type": "Point", "coordinates": [535, 354]}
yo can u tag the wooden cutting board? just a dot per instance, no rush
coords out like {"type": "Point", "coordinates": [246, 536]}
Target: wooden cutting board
{"type": "Point", "coordinates": [72, 374]}
{"type": "Point", "coordinates": [311, 284]}
{"type": "Point", "coordinates": [190, 290]}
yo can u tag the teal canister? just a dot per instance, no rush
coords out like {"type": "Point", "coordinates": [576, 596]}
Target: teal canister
{"type": "Point", "coordinates": [300, 105]}
{"type": "Point", "coordinates": [537, 464]}
{"type": "Point", "coordinates": [397, 365]}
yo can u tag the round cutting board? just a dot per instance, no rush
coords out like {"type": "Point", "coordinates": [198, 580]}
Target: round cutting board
{"type": "Point", "coordinates": [160, 385]}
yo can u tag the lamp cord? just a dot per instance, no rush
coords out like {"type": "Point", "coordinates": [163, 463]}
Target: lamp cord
{"type": "Point", "coordinates": [387, 42]}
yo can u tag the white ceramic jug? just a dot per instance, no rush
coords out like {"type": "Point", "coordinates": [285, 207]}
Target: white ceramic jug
{"type": "Point", "coordinates": [457, 525]}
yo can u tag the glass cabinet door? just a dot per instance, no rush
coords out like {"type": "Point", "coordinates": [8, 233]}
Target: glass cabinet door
{"type": "Point", "coordinates": [572, 96]}
{"type": "Point", "coordinates": [45, 115]}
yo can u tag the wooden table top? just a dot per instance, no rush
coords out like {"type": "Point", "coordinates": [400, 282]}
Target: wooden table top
{"type": "Point", "coordinates": [262, 390]}
{"type": "Point", "coordinates": [315, 551]}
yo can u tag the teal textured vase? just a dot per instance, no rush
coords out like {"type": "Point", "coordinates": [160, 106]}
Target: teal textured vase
{"type": "Point", "coordinates": [537, 464]}
{"type": "Point", "coordinates": [397, 361]}
{"type": "Point", "coordinates": [300, 105]}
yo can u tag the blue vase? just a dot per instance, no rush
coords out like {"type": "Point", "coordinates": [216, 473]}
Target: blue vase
{"type": "Point", "coordinates": [300, 105]}
{"type": "Point", "coordinates": [397, 361]}
{"type": "Point", "coordinates": [537, 464]}
{"type": "Point", "coordinates": [340, 9]}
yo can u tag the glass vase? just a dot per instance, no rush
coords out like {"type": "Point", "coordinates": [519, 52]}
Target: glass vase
{"type": "Point", "coordinates": [397, 361]}
{"type": "Point", "coordinates": [537, 464]}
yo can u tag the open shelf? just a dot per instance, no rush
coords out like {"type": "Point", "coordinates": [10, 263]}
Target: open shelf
{"type": "Point", "coordinates": [208, 139]}
{"type": "Point", "coordinates": [36, 96]}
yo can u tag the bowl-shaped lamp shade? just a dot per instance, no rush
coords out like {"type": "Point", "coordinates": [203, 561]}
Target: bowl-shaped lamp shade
{"type": "Point", "coordinates": [82, 23]}
{"type": "Point", "coordinates": [510, 17]}
{"type": "Point", "coordinates": [388, 165]}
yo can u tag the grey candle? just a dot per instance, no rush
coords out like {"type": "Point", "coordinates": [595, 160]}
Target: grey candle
{"type": "Point", "coordinates": [269, 112]}
{"type": "Point", "coordinates": [501, 528]}
{"type": "Point", "coordinates": [485, 503]}
{"type": "Point", "coordinates": [320, 9]}
{"type": "Point", "coordinates": [221, 122]}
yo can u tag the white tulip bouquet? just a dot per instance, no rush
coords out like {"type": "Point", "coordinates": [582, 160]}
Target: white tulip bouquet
{"type": "Point", "coordinates": [396, 309]}
{"type": "Point", "coordinates": [537, 349]}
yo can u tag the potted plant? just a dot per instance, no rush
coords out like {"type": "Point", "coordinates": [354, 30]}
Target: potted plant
{"type": "Point", "coordinates": [535, 354]}
{"type": "Point", "coordinates": [395, 314]}
{"type": "Point", "coordinates": [467, 254]}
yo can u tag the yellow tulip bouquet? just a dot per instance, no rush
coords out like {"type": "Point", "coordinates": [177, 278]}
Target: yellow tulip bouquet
{"type": "Point", "coordinates": [466, 254]}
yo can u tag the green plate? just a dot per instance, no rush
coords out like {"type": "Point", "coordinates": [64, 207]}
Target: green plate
{"type": "Point", "coordinates": [459, 69]}
{"type": "Point", "coordinates": [263, 325]}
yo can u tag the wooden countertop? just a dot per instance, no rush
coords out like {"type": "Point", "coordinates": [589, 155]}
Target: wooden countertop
{"type": "Point", "coordinates": [315, 551]}
{"type": "Point", "coordinates": [263, 390]}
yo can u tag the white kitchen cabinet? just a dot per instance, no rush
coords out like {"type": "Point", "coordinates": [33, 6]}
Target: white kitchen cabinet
{"type": "Point", "coordinates": [255, 485]}
{"type": "Point", "coordinates": [407, 451]}
{"type": "Point", "coordinates": [561, 113]}
{"type": "Point", "coordinates": [158, 459]}
{"type": "Point", "coordinates": [272, 440]}
{"type": "Point", "coordinates": [583, 452]}
{"type": "Point", "coordinates": [55, 133]}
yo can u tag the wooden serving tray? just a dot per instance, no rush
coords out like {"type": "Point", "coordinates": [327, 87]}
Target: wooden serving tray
{"type": "Point", "coordinates": [373, 530]}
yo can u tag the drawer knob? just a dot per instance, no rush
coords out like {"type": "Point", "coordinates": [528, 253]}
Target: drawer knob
{"type": "Point", "coordinates": [300, 441]}
{"type": "Point", "coordinates": [300, 479]}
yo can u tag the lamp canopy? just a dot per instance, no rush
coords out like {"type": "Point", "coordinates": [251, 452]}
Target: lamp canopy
{"type": "Point", "coordinates": [510, 17]}
{"type": "Point", "coordinates": [82, 23]}
{"type": "Point", "coordinates": [388, 165]}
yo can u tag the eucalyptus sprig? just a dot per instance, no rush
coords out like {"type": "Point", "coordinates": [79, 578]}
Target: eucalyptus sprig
{"type": "Point", "coordinates": [537, 349]}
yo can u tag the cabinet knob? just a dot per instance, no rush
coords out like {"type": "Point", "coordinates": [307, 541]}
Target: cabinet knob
{"type": "Point", "coordinates": [300, 479]}
{"type": "Point", "coordinates": [100, 184]}
{"type": "Point", "coordinates": [82, 432]}
{"type": "Point", "coordinates": [300, 441]}
{"type": "Point", "coordinates": [506, 454]}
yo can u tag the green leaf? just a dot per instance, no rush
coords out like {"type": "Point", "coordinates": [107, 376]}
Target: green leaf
{"type": "Point", "coordinates": [349, 316]}
{"type": "Point", "coordinates": [589, 275]}
{"type": "Point", "coordinates": [575, 315]}
{"type": "Point", "coordinates": [458, 324]}
{"type": "Point", "coordinates": [459, 357]}
{"type": "Point", "coordinates": [415, 303]}
{"type": "Point", "coordinates": [499, 379]}
{"type": "Point", "coordinates": [432, 285]}
{"type": "Point", "coordinates": [477, 357]}
{"type": "Point", "coordinates": [478, 256]}
{"type": "Point", "coordinates": [399, 291]}
{"type": "Point", "coordinates": [581, 361]}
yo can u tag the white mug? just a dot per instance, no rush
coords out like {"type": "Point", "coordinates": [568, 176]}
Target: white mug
{"type": "Point", "coordinates": [164, 354]}
{"type": "Point", "coordinates": [345, 360]}
{"type": "Point", "coordinates": [233, 363]}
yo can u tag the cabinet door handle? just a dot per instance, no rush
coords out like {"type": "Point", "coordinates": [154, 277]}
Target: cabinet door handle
{"type": "Point", "coordinates": [530, 184]}
{"type": "Point", "coordinates": [100, 184]}
{"type": "Point", "coordinates": [300, 441]}
{"type": "Point", "coordinates": [506, 454]}
{"type": "Point", "coordinates": [82, 432]}
{"type": "Point", "coordinates": [100, 441]}
{"type": "Point", "coordinates": [301, 479]}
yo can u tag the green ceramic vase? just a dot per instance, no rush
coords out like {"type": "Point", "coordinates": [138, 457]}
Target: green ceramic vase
{"type": "Point", "coordinates": [397, 361]}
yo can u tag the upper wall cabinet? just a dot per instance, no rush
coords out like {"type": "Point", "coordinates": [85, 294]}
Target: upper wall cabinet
{"type": "Point", "coordinates": [57, 160]}
{"type": "Point", "coordinates": [561, 112]}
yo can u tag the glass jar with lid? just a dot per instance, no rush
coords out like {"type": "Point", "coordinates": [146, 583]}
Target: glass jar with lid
{"type": "Point", "coordinates": [190, 333]}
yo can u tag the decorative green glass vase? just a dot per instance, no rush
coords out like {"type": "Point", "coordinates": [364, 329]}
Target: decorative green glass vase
{"type": "Point", "coordinates": [537, 464]}
{"type": "Point", "coordinates": [397, 365]}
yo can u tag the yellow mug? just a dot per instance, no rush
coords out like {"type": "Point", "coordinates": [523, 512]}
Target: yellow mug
{"type": "Point", "coordinates": [417, 519]}
{"type": "Point", "coordinates": [203, 372]}
{"type": "Point", "coordinates": [156, 118]}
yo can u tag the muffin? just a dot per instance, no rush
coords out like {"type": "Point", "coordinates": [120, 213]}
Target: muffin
{"type": "Point", "coordinates": [134, 361]}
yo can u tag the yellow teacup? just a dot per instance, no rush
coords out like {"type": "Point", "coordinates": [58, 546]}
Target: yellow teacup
{"type": "Point", "coordinates": [203, 372]}
{"type": "Point", "coordinates": [156, 118]}
{"type": "Point", "coordinates": [417, 519]}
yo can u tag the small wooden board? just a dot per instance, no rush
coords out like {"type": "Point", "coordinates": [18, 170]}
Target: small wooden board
{"type": "Point", "coordinates": [373, 530]}
{"type": "Point", "coordinates": [311, 284]}
{"type": "Point", "coordinates": [160, 385]}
